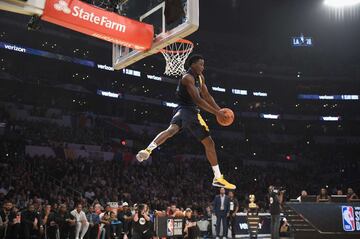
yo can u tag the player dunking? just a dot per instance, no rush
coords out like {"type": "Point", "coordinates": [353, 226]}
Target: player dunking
{"type": "Point", "coordinates": [193, 94]}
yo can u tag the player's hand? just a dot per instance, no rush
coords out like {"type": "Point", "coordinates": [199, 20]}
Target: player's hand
{"type": "Point", "coordinates": [221, 114]}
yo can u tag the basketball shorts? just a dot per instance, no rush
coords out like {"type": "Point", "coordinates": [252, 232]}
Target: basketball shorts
{"type": "Point", "coordinates": [189, 118]}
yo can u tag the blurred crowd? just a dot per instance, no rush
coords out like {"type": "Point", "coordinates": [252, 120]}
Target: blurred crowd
{"type": "Point", "coordinates": [58, 197]}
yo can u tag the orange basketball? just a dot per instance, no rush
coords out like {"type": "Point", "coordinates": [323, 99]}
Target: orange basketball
{"type": "Point", "coordinates": [228, 120]}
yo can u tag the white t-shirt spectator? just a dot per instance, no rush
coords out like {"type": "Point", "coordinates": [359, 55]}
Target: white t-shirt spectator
{"type": "Point", "coordinates": [79, 217]}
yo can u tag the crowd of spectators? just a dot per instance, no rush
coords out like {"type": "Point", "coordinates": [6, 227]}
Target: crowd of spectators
{"type": "Point", "coordinates": [54, 186]}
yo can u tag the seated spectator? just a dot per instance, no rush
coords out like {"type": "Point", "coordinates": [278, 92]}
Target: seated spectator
{"type": "Point", "coordinates": [125, 217]}
{"type": "Point", "coordinates": [351, 195]}
{"type": "Point", "coordinates": [30, 223]}
{"type": "Point", "coordinates": [8, 215]}
{"type": "Point", "coordinates": [323, 196]}
{"type": "Point", "coordinates": [94, 223]}
{"type": "Point", "coordinates": [302, 196]}
{"type": "Point", "coordinates": [116, 226]}
{"type": "Point", "coordinates": [66, 222]}
{"type": "Point", "coordinates": [339, 192]}
{"type": "Point", "coordinates": [44, 216]}
{"type": "Point", "coordinates": [82, 223]}
{"type": "Point", "coordinates": [105, 224]}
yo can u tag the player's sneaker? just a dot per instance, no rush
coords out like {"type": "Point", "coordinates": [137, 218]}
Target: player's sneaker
{"type": "Point", "coordinates": [143, 155]}
{"type": "Point", "coordinates": [222, 183]}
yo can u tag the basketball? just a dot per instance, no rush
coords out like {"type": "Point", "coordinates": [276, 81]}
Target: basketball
{"type": "Point", "coordinates": [229, 117]}
{"type": "Point", "coordinates": [179, 214]}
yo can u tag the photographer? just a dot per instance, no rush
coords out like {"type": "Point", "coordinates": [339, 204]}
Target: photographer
{"type": "Point", "coordinates": [234, 208]}
{"type": "Point", "coordinates": [275, 198]}
{"type": "Point", "coordinates": [142, 225]}
{"type": "Point", "coordinates": [191, 231]}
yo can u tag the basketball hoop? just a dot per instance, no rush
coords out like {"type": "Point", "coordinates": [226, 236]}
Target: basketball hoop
{"type": "Point", "coordinates": [175, 55]}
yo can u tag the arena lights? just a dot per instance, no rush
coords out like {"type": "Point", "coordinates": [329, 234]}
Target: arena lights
{"type": "Point", "coordinates": [219, 89]}
{"type": "Point", "coordinates": [341, 3]}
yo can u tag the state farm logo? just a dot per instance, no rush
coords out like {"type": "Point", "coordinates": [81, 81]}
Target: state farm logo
{"type": "Point", "coordinates": [62, 6]}
{"type": "Point", "coordinates": [87, 13]}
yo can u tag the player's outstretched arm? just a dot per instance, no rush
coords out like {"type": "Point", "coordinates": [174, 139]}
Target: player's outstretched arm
{"type": "Point", "coordinates": [206, 95]}
{"type": "Point", "coordinates": [189, 82]}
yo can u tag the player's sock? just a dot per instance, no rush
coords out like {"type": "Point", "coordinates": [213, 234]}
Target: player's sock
{"type": "Point", "coordinates": [151, 147]}
{"type": "Point", "coordinates": [216, 170]}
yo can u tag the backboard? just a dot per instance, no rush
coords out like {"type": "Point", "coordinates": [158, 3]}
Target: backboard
{"type": "Point", "coordinates": [29, 7]}
{"type": "Point", "coordinates": [172, 20]}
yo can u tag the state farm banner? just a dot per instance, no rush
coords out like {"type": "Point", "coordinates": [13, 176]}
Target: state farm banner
{"type": "Point", "coordinates": [99, 23]}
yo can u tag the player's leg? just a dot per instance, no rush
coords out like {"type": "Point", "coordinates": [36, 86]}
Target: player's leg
{"type": "Point", "coordinates": [159, 139]}
{"type": "Point", "coordinates": [200, 130]}
{"type": "Point", "coordinates": [210, 151]}
{"type": "Point", "coordinates": [211, 155]}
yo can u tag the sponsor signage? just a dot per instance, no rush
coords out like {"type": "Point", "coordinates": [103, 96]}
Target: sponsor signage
{"type": "Point", "coordinates": [174, 227]}
{"type": "Point", "coordinates": [99, 23]}
{"type": "Point", "coordinates": [269, 116]}
{"type": "Point", "coordinates": [36, 52]}
{"type": "Point", "coordinates": [105, 67]}
{"type": "Point", "coordinates": [328, 97]}
{"type": "Point", "coordinates": [131, 72]}
{"type": "Point", "coordinates": [108, 94]}
{"type": "Point", "coordinates": [152, 77]}
{"type": "Point", "coordinates": [170, 104]}
{"type": "Point", "coordinates": [302, 41]}
{"type": "Point", "coordinates": [350, 218]}
{"type": "Point", "coordinates": [220, 89]}
{"type": "Point", "coordinates": [261, 94]}
{"type": "Point", "coordinates": [239, 92]}
{"type": "Point", "coordinates": [330, 118]}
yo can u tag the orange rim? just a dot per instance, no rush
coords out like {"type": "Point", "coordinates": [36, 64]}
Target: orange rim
{"type": "Point", "coordinates": [180, 51]}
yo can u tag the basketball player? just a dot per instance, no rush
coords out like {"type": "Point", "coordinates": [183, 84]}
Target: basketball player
{"type": "Point", "coordinates": [193, 94]}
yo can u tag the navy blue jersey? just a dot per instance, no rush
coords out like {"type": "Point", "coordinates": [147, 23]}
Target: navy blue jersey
{"type": "Point", "coordinates": [182, 95]}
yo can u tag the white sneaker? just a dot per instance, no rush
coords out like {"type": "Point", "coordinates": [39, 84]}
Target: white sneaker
{"type": "Point", "coordinates": [143, 155]}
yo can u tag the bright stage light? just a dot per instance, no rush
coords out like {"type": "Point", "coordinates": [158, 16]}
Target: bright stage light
{"type": "Point", "coordinates": [341, 3]}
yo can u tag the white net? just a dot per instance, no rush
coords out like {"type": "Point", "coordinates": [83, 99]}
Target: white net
{"type": "Point", "coordinates": [175, 55]}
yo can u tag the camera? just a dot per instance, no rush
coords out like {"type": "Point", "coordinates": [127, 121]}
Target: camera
{"type": "Point", "coordinates": [140, 209]}
{"type": "Point", "coordinates": [279, 190]}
